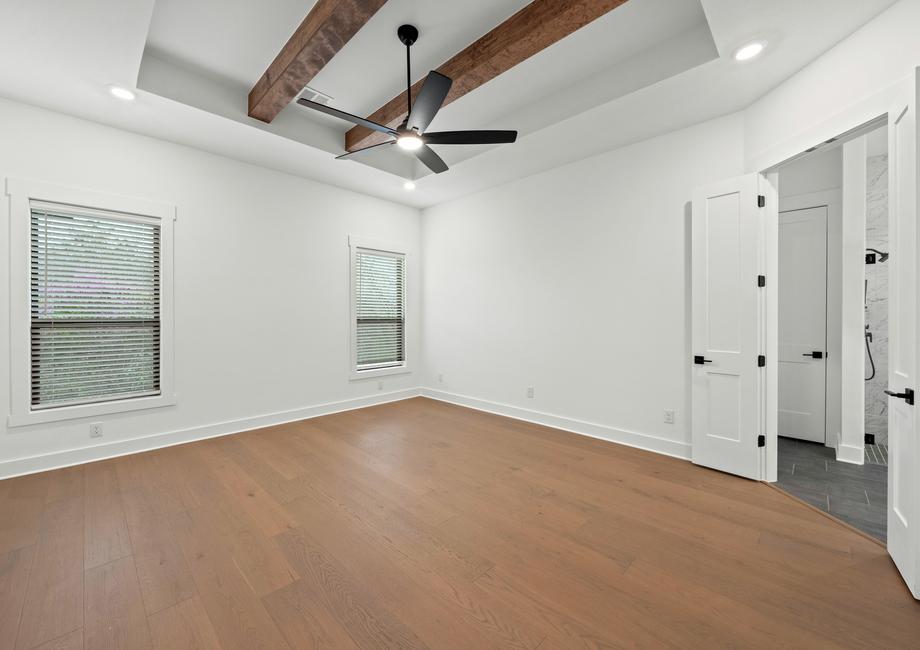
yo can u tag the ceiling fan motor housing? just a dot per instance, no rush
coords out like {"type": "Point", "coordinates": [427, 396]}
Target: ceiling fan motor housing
{"type": "Point", "coordinates": [412, 135]}
{"type": "Point", "coordinates": [407, 34]}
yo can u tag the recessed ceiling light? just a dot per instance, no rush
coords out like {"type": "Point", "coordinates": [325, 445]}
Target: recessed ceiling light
{"type": "Point", "coordinates": [409, 185]}
{"type": "Point", "coordinates": [749, 51]}
{"type": "Point", "coordinates": [121, 93]}
{"type": "Point", "coordinates": [409, 142]}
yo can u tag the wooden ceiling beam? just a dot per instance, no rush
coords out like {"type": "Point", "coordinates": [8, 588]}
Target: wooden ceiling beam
{"type": "Point", "coordinates": [325, 31]}
{"type": "Point", "coordinates": [529, 31]}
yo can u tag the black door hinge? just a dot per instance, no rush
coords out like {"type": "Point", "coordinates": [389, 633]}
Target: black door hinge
{"type": "Point", "coordinates": [761, 440]}
{"type": "Point", "coordinates": [761, 280]}
{"type": "Point", "coordinates": [761, 361]}
{"type": "Point", "coordinates": [761, 201]}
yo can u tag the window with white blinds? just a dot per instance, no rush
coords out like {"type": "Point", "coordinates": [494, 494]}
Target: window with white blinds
{"type": "Point", "coordinates": [95, 306]}
{"type": "Point", "coordinates": [380, 327]}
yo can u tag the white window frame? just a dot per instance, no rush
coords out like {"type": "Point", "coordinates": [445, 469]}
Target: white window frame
{"type": "Point", "coordinates": [21, 194]}
{"type": "Point", "coordinates": [354, 243]}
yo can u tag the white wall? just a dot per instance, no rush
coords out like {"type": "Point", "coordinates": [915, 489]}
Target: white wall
{"type": "Point", "coordinates": [817, 172]}
{"type": "Point", "coordinates": [817, 180]}
{"type": "Point", "coordinates": [575, 281]}
{"type": "Point", "coordinates": [261, 285]}
{"type": "Point", "coordinates": [843, 88]}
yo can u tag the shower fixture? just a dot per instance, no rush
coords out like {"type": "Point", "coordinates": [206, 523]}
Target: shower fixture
{"type": "Point", "coordinates": [872, 252]}
{"type": "Point", "coordinates": [868, 337]}
{"type": "Point", "coordinates": [867, 334]}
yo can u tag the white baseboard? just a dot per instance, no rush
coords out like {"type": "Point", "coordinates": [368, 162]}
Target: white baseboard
{"type": "Point", "coordinates": [851, 454]}
{"type": "Point", "coordinates": [601, 431]}
{"type": "Point", "coordinates": [68, 457]}
{"type": "Point", "coordinates": [115, 448]}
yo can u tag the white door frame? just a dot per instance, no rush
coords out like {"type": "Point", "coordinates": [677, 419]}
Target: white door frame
{"type": "Point", "coordinates": [851, 442]}
{"type": "Point", "coordinates": [837, 202]}
{"type": "Point", "coordinates": [869, 110]}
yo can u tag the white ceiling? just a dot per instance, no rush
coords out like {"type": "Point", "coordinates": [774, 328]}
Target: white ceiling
{"type": "Point", "coordinates": [217, 38]}
{"type": "Point", "coordinates": [220, 38]}
{"type": "Point", "coordinates": [648, 67]}
{"type": "Point", "coordinates": [234, 40]}
{"type": "Point", "coordinates": [577, 73]}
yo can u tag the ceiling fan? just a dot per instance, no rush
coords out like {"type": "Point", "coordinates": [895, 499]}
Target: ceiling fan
{"type": "Point", "coordinates": [411, 135]}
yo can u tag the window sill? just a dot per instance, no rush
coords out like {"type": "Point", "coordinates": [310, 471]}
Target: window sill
{"type": "Point", "coordinates": [357, 375]}
{"type": "Point", "coordinates": [89, 410]}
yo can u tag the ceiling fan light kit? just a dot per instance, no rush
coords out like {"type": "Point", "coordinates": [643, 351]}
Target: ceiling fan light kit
{"type": "Point", "coordinates": [409, 142]}
{"type": "Point", "coordinates": [411, 135]}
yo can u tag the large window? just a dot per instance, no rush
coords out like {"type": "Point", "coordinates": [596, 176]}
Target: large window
{"type": "Point", "coordinates": [91, 308]}
{"type": "Point", "coordinates": [95, 307]}
{"type": "Point", "coordinates": [379, 308]}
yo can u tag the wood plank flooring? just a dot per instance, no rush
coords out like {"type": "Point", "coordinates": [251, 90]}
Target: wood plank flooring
{"type": "Point", "coordinates": [420, 524]}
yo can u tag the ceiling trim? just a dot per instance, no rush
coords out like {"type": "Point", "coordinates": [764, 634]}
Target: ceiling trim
{"type": "Point", "coordinates": [325, 31]}
{"type": "Point", "coordinates": [529, 31]}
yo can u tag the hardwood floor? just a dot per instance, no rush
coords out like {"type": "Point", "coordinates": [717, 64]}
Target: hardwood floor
{"type": "Point", "coordinates": [421, 524]}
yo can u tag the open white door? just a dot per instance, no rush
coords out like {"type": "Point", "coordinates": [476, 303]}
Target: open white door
{"type": "Point", "coordinates": [727, 388]}
{"type": "Point", "coordinates": [903, 441]}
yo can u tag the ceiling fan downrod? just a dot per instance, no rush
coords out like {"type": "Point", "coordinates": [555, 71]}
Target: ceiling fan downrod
{"type": "Point", "coordinates": [408, 34]}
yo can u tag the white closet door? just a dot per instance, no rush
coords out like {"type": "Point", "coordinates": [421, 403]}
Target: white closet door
{"type": "Point", "coordinates": [727, 313]}
{"type": "Point", "coordinates": [802, 323]}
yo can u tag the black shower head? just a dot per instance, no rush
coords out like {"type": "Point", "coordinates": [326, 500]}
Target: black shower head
{"type": "Point", "coordinates": [881, 256]}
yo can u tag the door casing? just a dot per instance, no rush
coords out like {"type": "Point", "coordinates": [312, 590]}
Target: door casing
{"type": "Point", "coordinates": [909, 547]}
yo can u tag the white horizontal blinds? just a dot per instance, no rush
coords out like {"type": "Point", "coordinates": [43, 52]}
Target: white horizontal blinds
{"type": "Point", "coordinates": [95, 294]}
{"type": "Point", "coordinates": [380, 285]}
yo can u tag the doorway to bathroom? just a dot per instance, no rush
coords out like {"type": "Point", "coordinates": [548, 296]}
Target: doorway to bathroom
{"type": "Point", "coordinates": [833, 261]}
{"type": "Point", "coordinates": [735, 315]}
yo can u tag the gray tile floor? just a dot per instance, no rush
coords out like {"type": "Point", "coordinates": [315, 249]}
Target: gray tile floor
{"type": "Point", "coordinates": [856, 494]}
{"type": "Point", "coordinates": [877, 454]}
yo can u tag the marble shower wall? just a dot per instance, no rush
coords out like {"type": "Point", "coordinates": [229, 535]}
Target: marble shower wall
{"type": "Point", "coordinates": [877, 298]}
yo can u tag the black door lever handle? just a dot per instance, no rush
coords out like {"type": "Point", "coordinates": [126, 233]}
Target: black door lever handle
{"type": "Point", "coordinates": [907, 395]}
{"type": "Point", "coordinates": [817, 354]}
{"type": "Point", "coordinates": [700, 360]}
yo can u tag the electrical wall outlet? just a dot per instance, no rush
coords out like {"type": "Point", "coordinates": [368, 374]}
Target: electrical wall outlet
{"type": "Point", "coordinates": [95, 430]}
{"type": "Point", "coordinates": [669, 416]}
{"type": "Point", "coordinates": [379, 385]}
{"type": "Point", "coordinates": [530, 391]}
{"type": "Point", "coordinates": [440, 378]}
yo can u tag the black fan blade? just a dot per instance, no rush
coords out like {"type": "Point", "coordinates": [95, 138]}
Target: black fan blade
{"type": "Point", "coordinates": [429, 100]}
{"type": "Point", "coordinates": [431, 160]}
{"type": "Point", "coordinates": [373, 146]}
{"type": "Point", "coordinates": [471, 137]}
{"type": "Point", "coordinates": [354, 119]}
